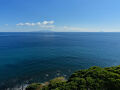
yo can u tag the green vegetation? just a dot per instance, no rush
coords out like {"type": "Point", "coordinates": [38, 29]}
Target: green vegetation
{"type": "Point", "coordinates": [94, 78]}
{"type": "Point", "coordinates": [34, 86]}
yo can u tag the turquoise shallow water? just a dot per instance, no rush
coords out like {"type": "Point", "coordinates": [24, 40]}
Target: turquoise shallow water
{"type": "Point", "coordinates": [38, 57]}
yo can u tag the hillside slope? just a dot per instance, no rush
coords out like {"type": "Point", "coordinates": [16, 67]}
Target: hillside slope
{"type": "Point", "coordinates": [94, 78]}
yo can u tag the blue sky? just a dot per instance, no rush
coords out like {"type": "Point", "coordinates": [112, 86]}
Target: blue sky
{"type": "Point", "coordinates": [60, 15]}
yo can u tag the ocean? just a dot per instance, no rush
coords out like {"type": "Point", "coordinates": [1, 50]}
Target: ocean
{"type": "Point", "coordinates": [27, 57]}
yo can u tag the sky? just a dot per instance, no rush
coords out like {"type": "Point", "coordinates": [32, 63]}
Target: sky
{"type": "Point", "coordinates": [60, 15]}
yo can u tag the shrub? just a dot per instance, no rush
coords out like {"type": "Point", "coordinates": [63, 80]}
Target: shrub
{"type": "Point", "coordinates": [34, 86]}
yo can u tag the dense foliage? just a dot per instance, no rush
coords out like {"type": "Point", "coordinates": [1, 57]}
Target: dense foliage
{"type": "Point", "coordinates": [94, 78]}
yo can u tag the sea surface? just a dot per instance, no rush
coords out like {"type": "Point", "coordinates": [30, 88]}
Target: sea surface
{"type": "Point", "coordinates": [38, 57]}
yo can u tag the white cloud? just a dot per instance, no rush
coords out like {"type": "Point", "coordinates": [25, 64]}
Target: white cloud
{"type": "Point", "coordinates": [51, 22]}
{"type": "Point", "coordinates": [20, 24]}
{"type": "Point", "coordinates": [45, 22]}
{"type": "Point", "coordinates": [36, 24]}
{"type": "Point", "coordinates": [48, 22]}
{"type": "Point", "coordinates": [45, 25]}
{"type": "Point", "coordinates": [28, 24]}
{"type": "Point", "coordinates": [32, 24]}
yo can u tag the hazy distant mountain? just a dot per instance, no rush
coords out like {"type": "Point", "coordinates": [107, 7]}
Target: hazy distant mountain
{"type": "Point", "coordinates": [43, 31]}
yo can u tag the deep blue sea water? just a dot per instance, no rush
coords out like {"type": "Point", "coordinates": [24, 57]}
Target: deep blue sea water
{"type": "Point", "coordinates": [38, 57]}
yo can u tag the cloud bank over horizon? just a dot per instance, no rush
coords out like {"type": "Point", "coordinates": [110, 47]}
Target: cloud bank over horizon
{"type": "Point", "coordinates": [48, 26]}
